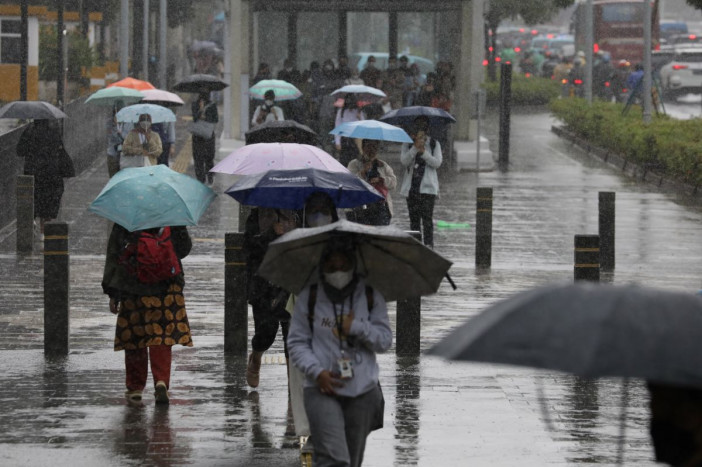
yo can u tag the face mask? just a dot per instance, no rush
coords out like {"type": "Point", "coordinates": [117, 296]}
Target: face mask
{"type": "Point", "coordinates": [269, 103]}
{"type": "Point", "coordinates": [338, 279]}
{"type": "Point", "coordinates": [145, 125]}
{"type": "Point", "coordinates": [318, 218]}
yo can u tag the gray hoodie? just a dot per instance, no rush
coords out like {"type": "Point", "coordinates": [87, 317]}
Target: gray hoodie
{"type": "Point", "coordinates": [313, 352]}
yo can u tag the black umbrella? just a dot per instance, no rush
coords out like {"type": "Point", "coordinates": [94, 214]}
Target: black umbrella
{"type": "Point", "coordinates": [282, 131]}
{"type": "Point", "coordinates": [200, 83]}
{"type": "Point", "coordinates": [31, 110]}
{"type": "Point", "coordinates": [405, 116]}
{"type": "Point", "coordinates": [589, 330]}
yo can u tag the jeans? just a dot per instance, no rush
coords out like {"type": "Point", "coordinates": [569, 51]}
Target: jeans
{"type": "Point", "coordinates": [421, 208]}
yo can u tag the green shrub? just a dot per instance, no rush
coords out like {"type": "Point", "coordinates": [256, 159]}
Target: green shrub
{"type": "Point", "coordinates": [80, 54]}
{"type": "Point", "coordinates": [525, 91]}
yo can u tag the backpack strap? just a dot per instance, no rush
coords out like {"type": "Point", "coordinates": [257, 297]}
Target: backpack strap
{"type": "Point", "coordinates": [312, 301]}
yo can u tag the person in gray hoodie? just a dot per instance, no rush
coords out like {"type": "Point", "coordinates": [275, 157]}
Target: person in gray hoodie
{"type": "Point", "coordinates": [338, 326]}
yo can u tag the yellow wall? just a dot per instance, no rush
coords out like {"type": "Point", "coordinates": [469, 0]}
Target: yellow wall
{"type": "Point", "coordinates": [10, 82]}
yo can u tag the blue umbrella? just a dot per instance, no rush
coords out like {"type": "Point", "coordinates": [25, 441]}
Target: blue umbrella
{"type": "Point", "coordinates": [140, 198]}
{"type": "Point", "coordinates": [405, 116]}
{"type": "Point", "coordinates": [372, 129]}
{"type": "Point", "coordinates": [130, 114]}
{"type": "Point", "coordinates": [288, 189]}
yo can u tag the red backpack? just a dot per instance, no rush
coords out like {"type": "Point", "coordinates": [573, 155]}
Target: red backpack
{"type": "Point", "coordinates": [151, 257]}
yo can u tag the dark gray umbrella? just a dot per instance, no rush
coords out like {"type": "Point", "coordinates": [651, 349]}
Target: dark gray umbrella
{"type": "Point", "coordinates": [31, 110]}
{"type": "Point", "coordinates": [589, 330]}
{"type": "Point", "coordinates": [282, 131]}
{"type": "Point", "coordinates": [200, 83]}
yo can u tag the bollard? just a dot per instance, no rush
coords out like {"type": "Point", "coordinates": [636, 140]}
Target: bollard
{"type": "Point", "coordinates": [606, 207]}
{"type": "Point", "coordinates": [56, 280]}
{"type": "Point", "coordinates": [505, 110]}
{"type": "Point", "coordinates": [409, 321]}
{"type": "Point", "coordinates": [25, 213]}
{"type": "Point", "coordinates": [483, 228]}
{"type": "Point", "coordinates": [236, 310]}
{"type": "Point", "coordinates": [587, 258]}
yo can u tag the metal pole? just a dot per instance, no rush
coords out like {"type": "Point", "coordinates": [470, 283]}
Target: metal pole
{"type": "Point", "coordinates": [606, 230]}
{"type": "Point", "coordinates": [24, 48]}
{"type": "Point", "coordinates": [25, 213]}
{"type": "Point", "coordinates": [647, 77]}
{"type": "Point", "coordinates": [589, 45]}
{"type": "Point", "coordinates": [409, 321]}
{"type": "Point", "coordinates": [483, 228]}
{"type": "Point", "coordinates": [124, 39]}
{"type": "Point", "coordinates": [505, 110]}
{"type": "Point", "coordinates": [587, 258]}
{"type": "Point", "coordinates": [227, 101]}
{"type": "Point", "coordinates": [56, 287]}
{"type": "Point", "coordinates": [60, 90]}
{"type": "Point", "coordinates": [162, 46]}
{"type": "Point", "coordinates": [235, 306]}
{"type": "Point", "coordinates": [145, 43]}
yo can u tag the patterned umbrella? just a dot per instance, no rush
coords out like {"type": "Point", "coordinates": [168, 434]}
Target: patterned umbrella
{"type": "Point", "coordinates": [258, 158]}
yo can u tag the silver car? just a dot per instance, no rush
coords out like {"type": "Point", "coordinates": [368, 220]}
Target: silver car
{"type": "Point", "coordinates": [683, 74]}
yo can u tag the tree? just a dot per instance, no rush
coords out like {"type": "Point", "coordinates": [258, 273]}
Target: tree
{"type": "Point", "coordinates": [531, 11]}
{"type": "Point", "coordinates": [695, 4]}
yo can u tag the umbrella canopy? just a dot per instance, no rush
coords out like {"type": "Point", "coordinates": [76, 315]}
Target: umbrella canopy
{"type": "Point", "coordinates": [108, 97]}
{"type": "Point", "coordinates": [200, 83]}
{"type": "Point", "coordinates": [26, 110]}
{"type": "Point", "coordinates": [132, 83]}
{"type": "Point", "coordinates": [372, 129]}
{"type": "Point", "coordinates": [158, 113]}
{"type": "Point", "coordinates": [283, 90]}
{"type": "Point", "coordinates": [144, 197]}
{"type": "Point", "coordinates": [281, 131]}
{"type": "Point", "coordinates": [405, 116]}
{"type": "Point", "coordinates": [590, 330]}
{"type": "Point", "coordinates": [288, 189]}
{"type": "Point", "coordinates": [258, 158]}
{"type": "Point", "coordinates": [359, 89]}
{"type": "Point", "coordinates": [161, 97]}
{"type": "Point", "coordinates": [392, 261]}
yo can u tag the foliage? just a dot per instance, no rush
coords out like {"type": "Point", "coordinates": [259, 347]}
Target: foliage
{"type": "Point", "coordinates": [695, 3]}
{"type": "Point", "coordinates": [80, 54]}
{"type": "Point", "coordinates": [531, 11]}
{"type": "Point", "coordinates": [673, 146]}
{"type": "Point", "coordinates": [525, 91]}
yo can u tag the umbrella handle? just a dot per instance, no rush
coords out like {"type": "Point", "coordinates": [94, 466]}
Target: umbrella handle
{"type": "Point", "coordinates": [448, 278]}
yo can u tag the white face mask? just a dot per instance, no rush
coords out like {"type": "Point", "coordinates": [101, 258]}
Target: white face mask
{"type": "Point", "coordinates": [338, 279]}
{"type": "Point", "coordinates": [269, 103]}
{"type": "Point", "coordinates": [145, 125]}
{"type": "Point", "coordinates": [318, 218]}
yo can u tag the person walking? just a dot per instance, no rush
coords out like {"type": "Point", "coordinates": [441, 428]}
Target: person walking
{"type": "Point", "coordinates": [115, 138]}
{"type": "Point", "coordinates": [346, 148]}
{"type": "Point", "coordinates": [46, 159]}
{"type": "Point", "coordinates": [338, 325]}
{"type": "Point", "coordinates": [380, 176]}
{"type": "Point", "coordinates": [204, 148]}
{"type": "Point", "coordinates": [420, 184]}
{"type": "Point", "coordinates": [268, 111]}
{"type": "Point", "coordinates": [267, 300]}
{"type": "Point", "coordinates": [166, 131]}
{"type": "Point", "coordinates": [142, 146]}
{"type": "Point", "coordinates": [151, 317]}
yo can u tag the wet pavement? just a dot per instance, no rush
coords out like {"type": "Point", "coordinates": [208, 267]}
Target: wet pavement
{"type": "Point", "coordinates": [72, 411]}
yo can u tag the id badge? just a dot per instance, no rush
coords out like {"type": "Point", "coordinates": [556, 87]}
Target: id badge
{"type": "Point", "coordinates": [345, 368]}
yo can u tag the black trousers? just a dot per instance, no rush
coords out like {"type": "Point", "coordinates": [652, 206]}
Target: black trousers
{"type": "Point", "coordinates": [421, 212]}
{"type": "Point", "coordinates": [203, 157]}
{"type": "Point", "coordinates": [266, 324]}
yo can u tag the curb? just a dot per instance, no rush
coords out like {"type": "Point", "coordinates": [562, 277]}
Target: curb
{"type": "Point", "coordinates": [635, 171]}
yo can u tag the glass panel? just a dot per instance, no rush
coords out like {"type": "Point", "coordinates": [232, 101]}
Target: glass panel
{"type": "Point", "coordinates": [272, 36]}
{"type": "Point", "coordinates": [622, 13]}
{"type": "Point", "coordinates": [10, 50]}
{"type": "Point", "coordinates": [367, 35]}
{"type": "Point", "coordinates": [317, 38]}
{"type": "Point", "coordinates": [416, 39]}
{"type": "Point", "coordinates": [11, 26]}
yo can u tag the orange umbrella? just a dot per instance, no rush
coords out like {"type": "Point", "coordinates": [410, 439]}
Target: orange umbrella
{"type": "Point", "coordinates": [133, 83]}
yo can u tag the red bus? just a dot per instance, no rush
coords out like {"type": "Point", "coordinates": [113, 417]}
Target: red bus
{"type": "Point", "coordinates": [617, 27]}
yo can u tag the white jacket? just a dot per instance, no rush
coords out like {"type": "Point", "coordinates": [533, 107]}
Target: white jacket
{"type": "Point", "coordinates": [430, 181]}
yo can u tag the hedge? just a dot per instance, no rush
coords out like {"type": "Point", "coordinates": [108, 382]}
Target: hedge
{"type": "Point", "coordinates": [672, 146]}
{"type": "Point", "coordinates": [525, 91]}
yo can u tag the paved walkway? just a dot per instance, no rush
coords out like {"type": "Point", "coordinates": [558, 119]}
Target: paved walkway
{"type": "Point", "coordinates": [72, 412]}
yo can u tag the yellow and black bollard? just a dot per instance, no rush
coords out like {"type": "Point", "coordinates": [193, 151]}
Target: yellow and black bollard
{"type": "Point", "coordinates": [56, 289]}
{"type": "Point", "coordinates": [235, 306]}
{"type": "Point", "coordinates": [587, 258]}
{"type": "Point", "coordinates": [483, 228]}
{"type": "Point", "coordinates": [606, 227]}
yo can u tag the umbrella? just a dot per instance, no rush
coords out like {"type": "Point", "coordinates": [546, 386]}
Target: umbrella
{"type": "Point", "coordinates": [281, 131]}
{"type": "Point", "coordinates": [258, 158]}
{"type": "Point", "coordinates": [372, 129]}
{"type": "Point", "coordinates": [405, 116]}
{"type": "Point", "coordinates": [26, 110]}
{"type": "Point", "coordinates": [589, 330]}
{"type": "Point", "coordinates": [283, 90]}
{"type": "Point", "coordinates": [200, 83]}
{"type": "Point", "coordinates": [108, 97]}
{"type": "Point", "coordinates": [144, 197]}
{"type": "Point", "coordinates": [199, 46]}
{"type": "Point", "coordinates": [359, 89]}
{"type": "Point", "coordinates": [132, 83]}
{"type": "Point", "coordinates": [158, 113]}
{"type": "Point", "coordinates": [288, 189]}
{"type": "Point", "coordinates": [161, 97]}
{"type": "Point", "coordinates": [392, 261]}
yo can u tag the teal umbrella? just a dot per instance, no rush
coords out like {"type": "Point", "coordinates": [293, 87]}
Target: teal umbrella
{"type": "Point", "coordinates": [372, 129]}
{"type": "Point", "coordinates": [108, 97]}
{"type": "Point", "coordinates": [283, 90]}
{"type": "Point", "coordinates": [141, 198]}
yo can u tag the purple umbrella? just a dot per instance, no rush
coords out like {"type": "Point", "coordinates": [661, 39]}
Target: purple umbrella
{"type": "Point", "coordinates": [262, 157]}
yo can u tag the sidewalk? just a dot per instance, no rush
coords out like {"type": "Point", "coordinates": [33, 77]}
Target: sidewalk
{"type": "Point", "coordinates": [72, 411]}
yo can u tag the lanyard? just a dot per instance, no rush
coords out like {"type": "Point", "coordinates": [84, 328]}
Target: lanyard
{"type": "Point", "coordinates": [338, 318]}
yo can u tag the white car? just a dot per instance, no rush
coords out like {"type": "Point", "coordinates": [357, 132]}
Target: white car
{"type": "Point", "coordinates": [683, 74]}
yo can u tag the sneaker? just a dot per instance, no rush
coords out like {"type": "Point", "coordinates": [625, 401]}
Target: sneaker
{"type": "Point", "coordinates": [161, 393]}
{"type": "Point", "coordinates": [307, 447]}
{"type": "Point", "coordinates": [252, 372]}
{"type": "Point", "coordinates": [133, 395]}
